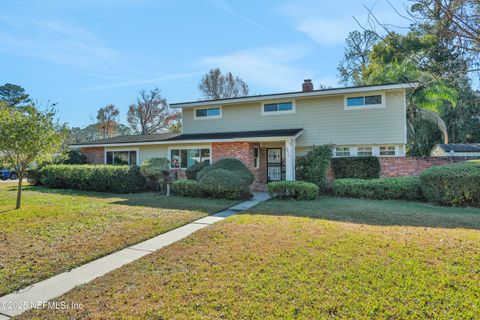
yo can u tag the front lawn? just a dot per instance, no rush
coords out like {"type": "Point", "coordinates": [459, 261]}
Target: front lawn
{"type": "Point", "coordinates": [330, 258]}
{"type": "Point", "coordinates": [56, 230]}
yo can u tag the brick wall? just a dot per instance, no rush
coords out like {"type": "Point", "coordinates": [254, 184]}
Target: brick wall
{"type": "Point", "coordinates": [244, 152]}
{"type": "Point", "coordinates": [94, 155]}
{"type": "Point", "coordinates": [411, 166]}
{"type": "Point", "coordinates": [391, 167]}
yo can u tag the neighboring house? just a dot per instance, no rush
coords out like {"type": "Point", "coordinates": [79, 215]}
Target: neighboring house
{"type": "Point", "coordinates": [456, 150]}
{"type": "Point", "coordinates": [267, 132]}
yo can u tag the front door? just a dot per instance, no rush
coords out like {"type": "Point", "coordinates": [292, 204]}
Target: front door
{"type": "Point", "coordinates": [274, 164]}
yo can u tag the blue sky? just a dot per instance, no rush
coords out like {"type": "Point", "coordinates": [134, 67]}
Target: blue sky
{"type": "Point", "coordinates": [84, 54]}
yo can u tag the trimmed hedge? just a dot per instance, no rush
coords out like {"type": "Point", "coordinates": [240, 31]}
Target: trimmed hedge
{"type": "Point", "coordinates": [356, 168]}
{"type": "Point", "coordinates": [299, 190]}
{"type": "Point", "coordinates": [224, 184]}
{"type": "Point", "coordinates": [192, 171]}
{"type": "Point", "coordinates": [187, 188]}
{"type": "Point", "coordinates": [407, 188]}
{"type": "Point", "coordinates": [453, 184]}
{"type": "Point", "coordinates": [229, 164]}
{"type": "Point", "coordinates": [105, 178]}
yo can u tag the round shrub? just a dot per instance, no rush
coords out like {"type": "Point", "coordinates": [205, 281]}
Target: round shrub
{"type": "Point", "coordinates": [454, 184]}
{"type": "Point", "coordinates": [313, 166]}
{"type": "Point", "coordinates": [106, 178]}
{"type": "Point", "coordinates": [224, 184]}
{"type": "Point", "coordinates": [407, 188]}
{"type": "Point", "coordinates": [229, 164]}
{"type": "Point", "coordinates": [187, 188]}
{"type": "Point", "coordinates": [192, 171]}
{"type": "Point", "coordinates": [299, 190]}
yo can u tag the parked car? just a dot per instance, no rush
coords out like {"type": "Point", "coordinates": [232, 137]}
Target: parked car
{"type": "Point", "coordinates": [8, 174]}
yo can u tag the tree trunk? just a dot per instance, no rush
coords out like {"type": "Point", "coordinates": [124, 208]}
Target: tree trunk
{"type": "Point", "coordinates": [19, 191]}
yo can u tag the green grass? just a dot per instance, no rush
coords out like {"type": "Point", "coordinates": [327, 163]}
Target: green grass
{"type": "Point", "coordinates": [330, 258]}
{"type": "Point", "coordinates": [56, 230]}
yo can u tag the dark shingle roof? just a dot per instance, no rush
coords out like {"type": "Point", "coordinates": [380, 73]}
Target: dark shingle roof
{"type": "Point", "coordinates": [460, 147]}
{"type": "Point", "coordinates": [193, 136]}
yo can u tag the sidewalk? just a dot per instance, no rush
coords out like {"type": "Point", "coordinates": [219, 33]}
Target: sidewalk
{"type": "Point", "coordinates": [18, 302]}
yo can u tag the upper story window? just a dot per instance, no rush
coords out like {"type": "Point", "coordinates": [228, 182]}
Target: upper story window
{"type": "Point", "coordinates": [128, 157]}
{"type": "Point", "coordinates": [342, 152]}
{"type": "Point", "coordinates": [364, 101]}
{"type": "Point", "coordinates": [387, 151]}
{"type": "Point", "coordinates": [278, 108]}
{"type": "Point", "coordinates": [208, 113]}
{"type": "Point", "coordinates": [364, 151]}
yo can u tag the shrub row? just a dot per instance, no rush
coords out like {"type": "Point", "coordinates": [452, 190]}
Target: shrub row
{"type": "Point", "coordinates": [454, 184]}
{"type": "Point", "coordinates": [356, 168]}
{"type": "Point", "coordinates": [106, 178]}
{"type": "Point", "coordinates": [299, 190]}
{"type": "Point", "coordinates": [407, 188]}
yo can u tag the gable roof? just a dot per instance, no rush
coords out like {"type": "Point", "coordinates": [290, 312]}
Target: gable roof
{"type": "Point", "coordinates": [460, 147]}
{"type": "Point", "coordinates": [195, 137]}
{"type": "Point", "coordinates": [295, 94]}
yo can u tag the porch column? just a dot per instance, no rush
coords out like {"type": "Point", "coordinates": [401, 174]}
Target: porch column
{"type": "Point", "coordinates": [290, 159]}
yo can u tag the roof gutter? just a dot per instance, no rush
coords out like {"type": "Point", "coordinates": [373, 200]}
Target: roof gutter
{"type": "Point", "coordinates": [318, 93]}
{"type": "Point", "coordinates": [149, 143]}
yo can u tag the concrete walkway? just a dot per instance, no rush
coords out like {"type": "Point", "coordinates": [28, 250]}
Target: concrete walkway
{"type": "Point", "coordinates": [39, 293]}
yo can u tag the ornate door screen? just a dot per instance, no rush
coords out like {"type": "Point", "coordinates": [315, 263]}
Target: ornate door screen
{"type": "Point", "coordinates": [274, 164]}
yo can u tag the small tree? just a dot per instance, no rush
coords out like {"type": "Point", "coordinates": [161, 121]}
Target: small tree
{"type": "Point", "coordinates": [156, 170]}
{"type": "Point", "coordinates": [12, 95]}
{"type": "Point", "coordinates": [107, 118]}
{"type": "Point", "coordinates": [215, 85]}
{"type": "Point", "coordinates": [27, 135]}
{"type": "Point", "coordinates": [151, 113]}
{"type": "Point", "coordinates": [314, 165]}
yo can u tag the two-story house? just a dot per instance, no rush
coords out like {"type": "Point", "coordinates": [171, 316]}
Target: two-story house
{"type": "Point", "coordinates": [267, 132]}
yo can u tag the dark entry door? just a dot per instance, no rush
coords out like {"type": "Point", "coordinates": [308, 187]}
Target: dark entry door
{"type": "Point", "coordinates": [274, 164]}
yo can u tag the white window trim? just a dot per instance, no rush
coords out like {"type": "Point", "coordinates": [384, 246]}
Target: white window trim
{"type": "Point", "coordinates": [350, 149]}
{"type": "Point", "coordinates": [137, 150]}
{"type": "Point", "coordinates": [258, 157]}
{"type": "Point", "coordinates": [396, 150]}
{"type": "Point", "coordinates": [207, 117]}
{"type": "Point", "coordinates": [365, 94]}
{"type": "Point", "coordinates": [276, 113]}
{"type": "Point", "coordinates": [169, 157]}
{"type": "Point", "coordinates": [371, 149]}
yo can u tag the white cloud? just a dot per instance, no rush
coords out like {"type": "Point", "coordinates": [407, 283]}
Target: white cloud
{"type": "Point", "coordinates": [56, 41]}
{"type": "Point", "coordinates": [222, 4]}
{"type": "Point", "coordinates": [130, 83]}
{"type": "Point", "coordinates": [329, 22]}
{"type": "Point", "coordinates": [267, 67]}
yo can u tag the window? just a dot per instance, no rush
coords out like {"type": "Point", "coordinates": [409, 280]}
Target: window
{"type": "Point", "coordinates": [128, 157]}
{"type": "Point", "coordinates": [342, 152]}
{"type": "Point", "coordinates": [208, 113]}
{"type": "Point", "coordinates": [278, 108]}
{"type": "Point", "coordinates": [184, 158]}
{"type": "Point", "coordinates": [387, 151]}
{"type": "Point", "coordinates": [364, 101]}
{"type": "Point", "coordinates": [364, 151]}
{"type": "Point", "coordinates": [256, 157]}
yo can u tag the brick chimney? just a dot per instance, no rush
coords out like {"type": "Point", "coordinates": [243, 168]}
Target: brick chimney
{"type": "Point", "coordinates": [307, 85]}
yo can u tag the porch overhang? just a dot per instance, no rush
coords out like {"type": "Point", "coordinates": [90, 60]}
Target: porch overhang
{"type": "Point", "coordinates": [248, 136]}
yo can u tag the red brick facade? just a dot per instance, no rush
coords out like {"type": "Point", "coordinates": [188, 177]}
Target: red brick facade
{"type": "Point", "coordinates": [94, 155]}
{"type": "Point", "coordinates": [391, 167]}
{"type": "Point", "coordinates": [411, 166]}
{"type": "Point", "coordinates": [244, 151]}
